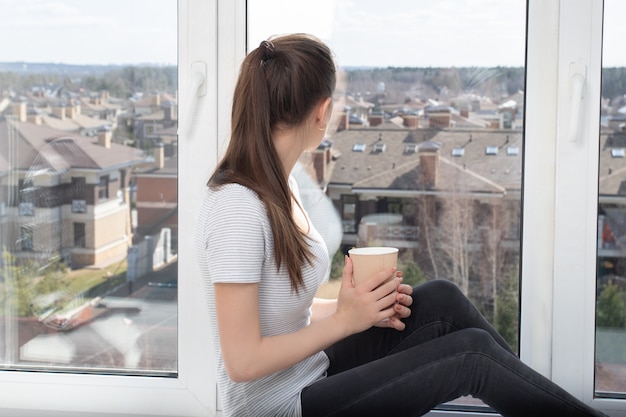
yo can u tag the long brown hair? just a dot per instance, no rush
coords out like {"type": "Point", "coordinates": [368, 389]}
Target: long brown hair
{"type": "Point", "coordinates": [279, 82]}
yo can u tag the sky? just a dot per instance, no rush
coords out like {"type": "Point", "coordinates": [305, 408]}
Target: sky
{"type": "Point", "coordinates": [360, 32]}
{"type": "Point", "coordinates": [402, 32]}
{"type": "Point", "coordinates": [116, 32]}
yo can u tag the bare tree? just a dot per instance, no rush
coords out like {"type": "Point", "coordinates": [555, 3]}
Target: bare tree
{"type": "Point", "coordinates": [455, 232]}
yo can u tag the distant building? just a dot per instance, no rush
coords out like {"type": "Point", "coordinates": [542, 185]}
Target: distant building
{"type": "Point", "coordinates": [68, 114]}
{"type": "Point", "coordinates": [151, 116]}
{"type": "Point", "coordinates": [64, 194]}
{"type": "Point", "coordinates": [157, 196]}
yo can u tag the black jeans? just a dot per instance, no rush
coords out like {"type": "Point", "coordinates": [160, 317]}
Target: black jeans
{"type": "Point", "coordinates": [447, 350]}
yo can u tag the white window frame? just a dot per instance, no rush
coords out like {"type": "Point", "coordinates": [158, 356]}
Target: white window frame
{"type": "Point", "coordinates": [560, 202]}
{"type": "Point", "coordinates": [561, 196]}
{"type": "Point", "coordinates": [211, 45]}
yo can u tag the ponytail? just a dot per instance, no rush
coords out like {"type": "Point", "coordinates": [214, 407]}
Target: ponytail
{"type": "Point", "coordinates": [279, 83]}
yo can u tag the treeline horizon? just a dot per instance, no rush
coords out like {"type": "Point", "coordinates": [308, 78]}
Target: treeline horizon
{"type": "Point", "coordinates": [400, 83]}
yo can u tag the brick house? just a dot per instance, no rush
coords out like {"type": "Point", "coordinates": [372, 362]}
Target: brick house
{"type": "Point", "coordinates": [157, 196]}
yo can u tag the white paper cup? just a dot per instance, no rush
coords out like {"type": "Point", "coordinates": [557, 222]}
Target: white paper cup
{"type": "Point", "coordinates": [369, 260]}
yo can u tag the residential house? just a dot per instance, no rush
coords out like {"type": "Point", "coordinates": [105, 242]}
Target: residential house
{"type": "Point", "coordinates": [65, 194]}
{"type": "Point", "coordinates": [437, 194]}
{"type": "Point", "coordinates": [60, 114]}
{"type": "Point", "coordinates": [157, 197]}
{"type": "Point", "coordinates": [100, 105]}
{"type": "Point", "coordinates": [153, 119]}
{"type": "Point", "coordinates": [612, 206]}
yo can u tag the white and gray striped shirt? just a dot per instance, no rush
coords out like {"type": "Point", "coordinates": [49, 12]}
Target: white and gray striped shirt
{"type": "Point", "coordinates": [235, 244]}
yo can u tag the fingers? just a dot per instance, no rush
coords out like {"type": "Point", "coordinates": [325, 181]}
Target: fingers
{"type": "Point", "coordinates": [405, 289]}
{"type": "Point", "coordinates": [376, 280]}
{"type": "Point", "coordinates": [392, 322]}
{"type": "Point", "coordinates": [396, 323]}
{"type": "Point", "coordinates": [387, 291]}
{"type": "Point", "coordinates": [404, 298]}
{"type": "Point", "coordinates": [401, 311]}
{"type": "Point", "coordinates": [346, 277]}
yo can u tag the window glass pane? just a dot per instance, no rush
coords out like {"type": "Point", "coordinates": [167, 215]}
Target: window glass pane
{"type": "Point", "coordinates": [611, 278]}
{"type": "Point", "coordinates": [427, 151]}
{"type": "Point", "coordinates": [88, 171]}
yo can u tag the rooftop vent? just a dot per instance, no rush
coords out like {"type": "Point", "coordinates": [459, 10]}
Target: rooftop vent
{"type": "Point", "coordinates": [411, 148]}
{"type": "Point", "coordinates": [512, 150]}
{"type": "Point", "coordinates": [458, 152]}
{"type": "Point", "coordinates": [491, 150]}
{"type": "Point", "coordinates": [617, 153]}
{"type": "Point", "coordinates": [358, 147]}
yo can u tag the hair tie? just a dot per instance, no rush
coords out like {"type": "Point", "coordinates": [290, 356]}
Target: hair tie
{"type": "Point", "coordinates": [269, 51]}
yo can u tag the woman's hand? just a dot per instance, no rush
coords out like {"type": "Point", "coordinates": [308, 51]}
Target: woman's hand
{"type": "Point", "coordinates": [404, 300]}
{"type": "Point", "coordinates": [373, 301]}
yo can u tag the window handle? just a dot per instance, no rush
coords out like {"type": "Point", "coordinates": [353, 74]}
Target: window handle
{"type": "Point", "coordinates": [197, 89]}
{"type": "Point", "coordinates": [198, 78]}
{"type": "Point", "coordinates": [577, 78]}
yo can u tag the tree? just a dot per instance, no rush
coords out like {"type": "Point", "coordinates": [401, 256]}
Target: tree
{"type": "Point", "coordinates": [337, 263]}
{"type": "Point", "coordinates": [455, 231]}
{"type": "Point", "coordinates": [507, 315]}
{"type": "Point", "coordinates": [611, 310]}
{"type": "Point", "coordinates": [412, 274]}
{"type": "Point", "coordinates": [29, 288]}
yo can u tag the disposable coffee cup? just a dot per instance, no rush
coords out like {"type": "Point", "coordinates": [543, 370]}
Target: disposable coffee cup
{"type": "Point", "coordinates": [369, 260]}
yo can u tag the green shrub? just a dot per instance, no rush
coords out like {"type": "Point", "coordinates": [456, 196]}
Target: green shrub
{"type": "Point", "coordinates": [611, 310]}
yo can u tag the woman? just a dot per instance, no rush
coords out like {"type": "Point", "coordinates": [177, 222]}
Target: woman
{"type": "Point", "coordinates": [380, 349]}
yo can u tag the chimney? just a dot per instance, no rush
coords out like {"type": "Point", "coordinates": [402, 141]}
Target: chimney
{"type": "Point", "coordinates": [156, 100]}
{"type": "Point", "coordinates": [169, 111]}
{"type": "Point", "coordinates": [429, 162]}
{"type": "Point", "coordinates": [19, 110]}
{"type": "Point", "coordinates": [72, 110]}
{"type": "Point", "coordinates": [319, 163]}
{"type": "Point", "coordinates": [342, 121]}
{"type": "Point", "coordinates": [375, 119]}
{"type": "Point", "coordinates": [59, 111]}
{"type": "Point", "coordinates": [411, 121]}
{"type": "Point", "coordinates": [439, 120]}
{"type": "Point", "coordinates": [159, 155]}
{"type": "Point", "coordinates": [33, 117]}
{"type": "Point", "coordinates": [104, 137]}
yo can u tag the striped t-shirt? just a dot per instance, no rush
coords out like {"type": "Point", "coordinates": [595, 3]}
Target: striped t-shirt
{"type": "Point", "coordinates": [235, 245]}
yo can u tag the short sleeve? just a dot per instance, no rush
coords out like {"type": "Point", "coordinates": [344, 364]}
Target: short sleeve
{"type": "Point", "coordinates": [236, 235]}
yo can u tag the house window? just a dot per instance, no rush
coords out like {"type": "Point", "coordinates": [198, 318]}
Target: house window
{"type": "Point", "coordinates": [78, 189]}
{"type": "Point", "coordinates": [103, 188]}
{"type": "Point", "coordinates": [79, 235]}
{"type": "Point", "coordinates": [557, 264]}
{"type": "Point", "coordinates": [440, 197]}
{"type": "Point", "coordinates": [491, 150]}
{"type": "Point", "coordinates": [79, 206]}
{"type": "Point", "coordinates": [512, 150]}
{"type": "Point", "coordinates": [348, 213]}
{"type": "Point", "coordinates": [379, 147]}
{"type": "Point", "coordinates": [26, 238]}
{"type": "Point", "coordinates": [26, 209]}
{"type": "Point", "coordinates": [149, 129]}
{"type": "Point", "coordinates": [89, 322]}
{"type": "Point", "coordinates": [394, 205]}
{"type": "Point", "coordinates": [359, 147]}
{"type": "Point", "coordinates": [610, 302]}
